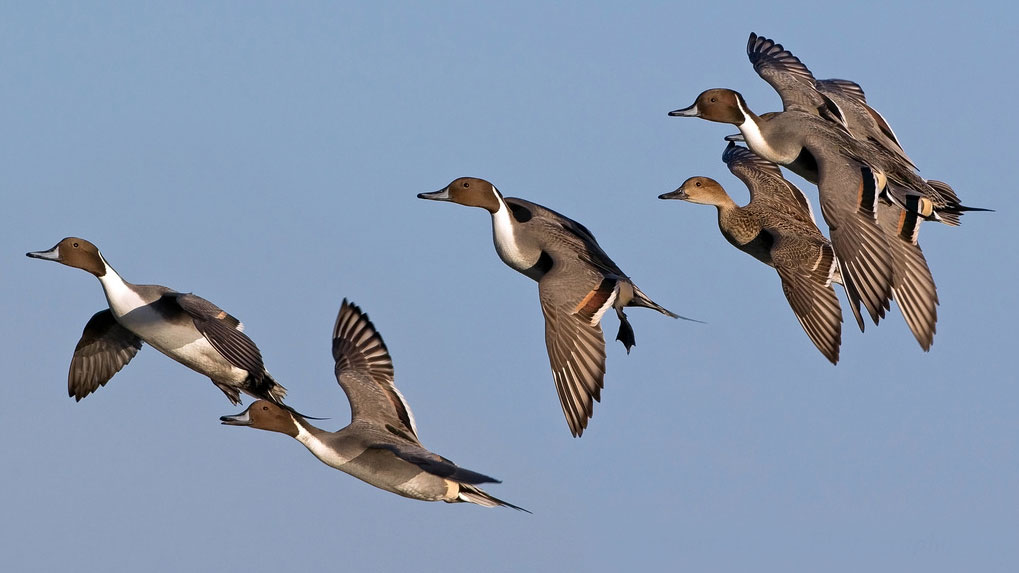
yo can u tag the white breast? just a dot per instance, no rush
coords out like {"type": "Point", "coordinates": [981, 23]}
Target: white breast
{"type": "Point", "coordinates": [756, 142]}
{"type": "Point", "coordinates": [120, 296]}
{"type": "Point", "coordinates": [755, 139]}
{"type": "Point", "coordinates": [505, 239]}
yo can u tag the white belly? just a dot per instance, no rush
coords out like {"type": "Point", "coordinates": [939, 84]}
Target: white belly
{"type": "Point", "coordinates": [182, 342]}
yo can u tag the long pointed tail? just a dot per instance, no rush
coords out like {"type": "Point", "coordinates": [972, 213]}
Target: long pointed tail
{"type": "Point", "coordinates": [474, 494]}
{"type": "Point", "coordinates": [641, 299]}
{"type": "Point", "coordinates": [942, 206]}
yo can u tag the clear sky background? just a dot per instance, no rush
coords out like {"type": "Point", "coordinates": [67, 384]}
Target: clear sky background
{"type": "Point", "coordinates": [267, 157]}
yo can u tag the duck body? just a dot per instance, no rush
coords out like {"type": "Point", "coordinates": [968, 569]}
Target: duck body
{"type": "Point", "coordinates": [183, 326]}
{"type": "Point", "coordinates": [356, 450]}
{"type": "Point", "coordinates": [577, 284]}
{"type": "Point", "coordinates": [380, 445]}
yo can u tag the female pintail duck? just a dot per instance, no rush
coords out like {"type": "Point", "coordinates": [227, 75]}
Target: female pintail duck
{"type": "Point", "coordinates": [577, 283]}
{"type": "Point", "coordinates": [185, 327]}
{"type": "Point", "coordinates": [874, 241]}
{"type": "Point", "coordinates": [380, 445]}
{"type": "Point", "coordinates": [777, 228]}
{"type": "Point", "coordinates": [844, 103]}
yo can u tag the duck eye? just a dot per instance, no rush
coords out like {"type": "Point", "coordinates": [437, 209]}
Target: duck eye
{"type": "Point", "coordinates": [466, 184]}
{"type": "Point", "coordinates": [265, 408]}
{"type": "Point", "coordinates": [697, 184]}
{"type": "Point", "coordinates": [75, 245]}
{"type": "Point", "coordinates": [713, 100]}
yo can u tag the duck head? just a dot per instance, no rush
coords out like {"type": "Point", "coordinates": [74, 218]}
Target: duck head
{"type": "Point", "coordinates": [718, 104]}
{"type": "Point", "coordinates": [265, 415]}
{"type": "Point", "coordinates": [74, 252]}
{"type": "Point", "coordinates": [469, 191]}
{"type": "Point", "coordinates": [702, 190]}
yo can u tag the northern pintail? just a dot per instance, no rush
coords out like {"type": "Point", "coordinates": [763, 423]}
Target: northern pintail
{"type": "Point", "coordinates": [874, 241]}
{"type": "Point", "coordinates": [577, 283]}
{"type": "Point", "coordinates": [185, 327]}
{"type": "Point", "coordinates": [380, 446]}
{"type": "Point", "coordinates": [777, 227]}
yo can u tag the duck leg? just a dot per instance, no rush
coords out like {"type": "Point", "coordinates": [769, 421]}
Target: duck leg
{"type": "Point", "coordinates": [625, 334]}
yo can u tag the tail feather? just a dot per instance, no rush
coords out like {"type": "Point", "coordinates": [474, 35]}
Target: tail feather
{"type": "Point", "coordinates": [951, 215]}
{"type": "Point", "coordinates": [641, 299]}
{"type": "Point", "coordinates": [939, 203]}
{"type": "Point", "coordinates": [474, 494]}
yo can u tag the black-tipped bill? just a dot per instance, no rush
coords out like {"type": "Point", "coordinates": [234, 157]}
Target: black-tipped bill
{"type": "Point", "coordinates": [734, 137]}
{"type": "Point", "coordinates": [50, 255]}
{"type": "Point", "coordinates": [440, 195]}
{"type": "Point", "coordinates": [242, 419]}
{"type": "Point", "coordinates": [677, 194]}
{"type": "Point", "coordinates": [691, 111]}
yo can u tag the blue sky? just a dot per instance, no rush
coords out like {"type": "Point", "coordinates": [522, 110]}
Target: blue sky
{"type": "Point", "coordinates": [267, 157]}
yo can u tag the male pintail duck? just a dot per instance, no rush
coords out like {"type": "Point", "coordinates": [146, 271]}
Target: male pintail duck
{"type": "Point", "coordinates": [777, 228]}
{"type": "Point", "coordinates": [577, 283]}
{"type": "Point", "coordinates": [380, 445]}
{"type": "Point", "coordinates": [185, 327]}
{"type": "Point", "coordinates": [874, 241]}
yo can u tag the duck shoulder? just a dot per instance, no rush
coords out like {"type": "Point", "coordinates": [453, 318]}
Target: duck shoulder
{"type": "Point", "coordinates": [563, 239]}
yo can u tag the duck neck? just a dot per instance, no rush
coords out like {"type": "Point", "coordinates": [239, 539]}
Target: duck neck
{"type": "Point", "coordinates": [303, 431]}
{"type": "Point", "coordinates": [119, 294]}
{"type": "Point", "coordinates": [315, 440]}
{"type": "Point", "coordinates": [727, 211]}
{"type": "Point", "coordinates": [507, 245]}
{"type": "Point", "coordinates": [752, 134]}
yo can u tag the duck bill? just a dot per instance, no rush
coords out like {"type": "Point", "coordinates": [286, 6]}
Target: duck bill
{"type": "Point", "coordinates": [242, 419]}
{"type": "Point", "coordinates": [734, 137]}
{"type": "Point", "coordinates": [440, 195]}
{"type": "Point", "coordinates": [691, 111]}
{"type": "Point", "coordinates": [677, 194]}
{"type": "Point", "coordinates": [50, 255]}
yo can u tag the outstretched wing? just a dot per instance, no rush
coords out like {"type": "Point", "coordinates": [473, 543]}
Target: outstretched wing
{"type": "Point", "coordinates": [104, 348]}
{"type": "Point", "coordinates": [806, 267]}
{"type": "Point", "coordinates": [364, 370]}
{"type": "Point", "coordinates": [786, 73]}
{"type": "Point", "coordinates": [573, 304]}
{"type": "Point", "coordinates": [848, 193]}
